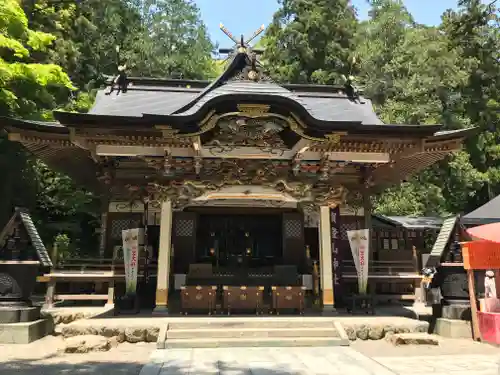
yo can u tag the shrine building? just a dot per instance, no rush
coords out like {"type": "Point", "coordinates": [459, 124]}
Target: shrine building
{"type": "Point", "coordinates": [236, 180]}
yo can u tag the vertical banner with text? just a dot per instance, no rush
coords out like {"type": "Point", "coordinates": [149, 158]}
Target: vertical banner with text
{"type": "Point", "coordinates": [130, 239]}
{"type": "Point", "coordinates": [336, 255]}
{"type": "Point", "coordinates": [359, 243]}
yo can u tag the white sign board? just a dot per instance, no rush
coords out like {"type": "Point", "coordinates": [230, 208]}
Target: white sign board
{"type": "Point", "coordinates": [359, 242]}
{"type": "Point", "coordinates": [130, 239]}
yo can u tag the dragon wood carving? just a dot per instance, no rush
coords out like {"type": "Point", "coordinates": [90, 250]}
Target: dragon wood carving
{"type": "Point", "coordinates": [183, 192]}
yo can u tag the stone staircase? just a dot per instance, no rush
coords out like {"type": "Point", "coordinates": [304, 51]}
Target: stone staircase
{"type": "Point", "coordinates": [252, 332]}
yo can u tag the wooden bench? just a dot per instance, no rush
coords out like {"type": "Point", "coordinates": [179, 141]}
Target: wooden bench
{"type": "Point", "coordinates": [54, 277]}
{"type": "Point", "coordinates": [393, 278]}
{"type": "Point", "coordinates": [87, 270]}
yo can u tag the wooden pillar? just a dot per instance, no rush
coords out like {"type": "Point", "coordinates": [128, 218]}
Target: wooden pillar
{"type": "Point", "coordinates": [111, 293]}
{"type": "Point", "coordinates": [104, 227]}
{"type": "Point", "coordinates": [325, 260]}
{"type": "Point", "coordinates": [49, 296]}
{"type": "Point", "coordinates": [367, 212]}
{"type": "Point", "coordinates": [163, 277]}
{"type": "Point", "coordinates": [476, 335]}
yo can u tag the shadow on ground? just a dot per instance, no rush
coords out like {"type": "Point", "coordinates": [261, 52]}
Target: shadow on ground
{"type": "Point", "coordinates": [65, 365]}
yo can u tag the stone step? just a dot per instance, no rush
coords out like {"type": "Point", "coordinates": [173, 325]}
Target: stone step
{"type": "Point", "coordinates": [223, 323]}
{"type": "Point", "coordinates": [252, 332]}
{"type": "Point", "coordinates": [254, 342]}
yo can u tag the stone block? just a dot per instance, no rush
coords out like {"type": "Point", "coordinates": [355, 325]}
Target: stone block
{"type": "Point", "coordinates": [453, 328]}
{"type": "Point", "coordinates": [456, 311]}
{"type": "Point", "coordinates": [134, 335]}
{"type": "Point", "coordinates": [19, 314]}
{"type": "Point", "coordinates": [86, 343]}
{"type": "Point", "coordinates": [413, 339]}
{"type": "Point", "coordinates": [24, 333]}
{"type": "Point", "coordinates": [376, 333]}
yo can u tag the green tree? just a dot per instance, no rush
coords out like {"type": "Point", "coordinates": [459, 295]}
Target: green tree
{"type": "Point", "coordinates": [415, 77]}
{"type": "Point", "coordinates": [27, 88]}
{"type": "Point", "coordinates": [31, 89]}
{"type": "Point", "coordinates": [88, 34]}
{"type": "Point", "coordinates": [474, 31]}
{"type": "Point", "coordinates": [311, 41]}
{"type": "Point", "coordinates": [65, 208]}
{"type": "Point", "coordinates": [377, 42]}
{"type": "Point", "coordinates": [173, 41]}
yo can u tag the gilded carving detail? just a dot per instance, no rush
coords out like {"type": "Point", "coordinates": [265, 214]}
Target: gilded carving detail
{"type": "Point", "coordinates": [240, 131]}
{"type": "Point", "coordinates": [253, 109]}
{"type": "Point", "coordinates": [167, 130]}
{"type": "Point", "coordinates": [183, 192]}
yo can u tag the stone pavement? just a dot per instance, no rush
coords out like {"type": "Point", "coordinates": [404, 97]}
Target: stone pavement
{"type": "Point", "coordinates": [443, 364]}
{"type": "Point", "coordinates": [44, 357]}
{"type": "Point", "coordinates": [452, 357]}
{"type": "Point", "coordinates": [263, 361]}
{"type": "Point", "coordinates": [312, 361]}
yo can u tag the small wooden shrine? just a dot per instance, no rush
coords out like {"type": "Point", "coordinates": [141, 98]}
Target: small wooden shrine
{"type": "Point", "coordinates": [238, 174]}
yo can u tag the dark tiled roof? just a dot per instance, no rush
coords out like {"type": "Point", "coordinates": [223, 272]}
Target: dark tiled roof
{"type": "Point", "coordinates": [340, 108]}
{"type": "Point", "coordinates": [157, 100]}
{"type": "Point", "coordinates": [240, 88]}
{"type": "Point", "coordinates": [409, 222]}
{"type": "Point", "coordinates": [36, 241]}
{"type": "Point", "coordinates": [136, 101]}
{"type": "Point", "coordinates": [442, 241]}
{"type": "Point", "coordinates": [487, 213]}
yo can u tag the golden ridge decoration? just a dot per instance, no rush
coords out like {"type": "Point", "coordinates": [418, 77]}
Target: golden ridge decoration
{"type": "Point", "coordinates": [167, 130]}
{"type": "Point", "coordinates": [334, 138]}
{"type": "Point", "coordinates": [253, 110]}
{"type": "Point", "coordinates": [294, 125]}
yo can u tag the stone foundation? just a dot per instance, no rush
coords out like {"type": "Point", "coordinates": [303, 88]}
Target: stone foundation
{"type": "Point", "coordinates": [24, 333]}
{"type": "Point", "coordinates": [371, 331]}
{"type": "Point", "coordinates": [378, 332]}
{"type": "Point", "coordinates": [121, 334]}
{"type": "Point", "coordinates": [452, 328]}
{"type": "Point", "coordinates": [70, 315]}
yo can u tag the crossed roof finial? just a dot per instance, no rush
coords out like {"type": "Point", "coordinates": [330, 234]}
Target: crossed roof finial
{"type": "Point", "coordinates": [242, 44]}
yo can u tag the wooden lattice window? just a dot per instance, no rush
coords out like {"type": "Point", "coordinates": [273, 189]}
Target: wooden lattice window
{"type": "Point", "coordinates": [293, 229]}
{"type": "Point", "coordinates": [184, 228]}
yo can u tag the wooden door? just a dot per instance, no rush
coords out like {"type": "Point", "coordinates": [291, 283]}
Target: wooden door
{"type": "Point", "coordinates": [293, 240]}
{"type": "Point", "coordinates": [184, 240]}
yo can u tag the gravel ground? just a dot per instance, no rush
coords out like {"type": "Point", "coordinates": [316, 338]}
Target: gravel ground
{"type": "Point", "coordinates": [43, 357]}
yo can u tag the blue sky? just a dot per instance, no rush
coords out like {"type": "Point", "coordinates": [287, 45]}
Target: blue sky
{"type": "Point", "coordinates": [244, 16]}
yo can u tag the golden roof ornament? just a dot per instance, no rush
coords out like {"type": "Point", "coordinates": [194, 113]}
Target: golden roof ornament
{"type": "Point", "coordinates": [242, 45]}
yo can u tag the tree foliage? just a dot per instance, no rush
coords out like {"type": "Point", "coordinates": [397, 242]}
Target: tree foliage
{"type": "Point", "coordinates": [414, 74]}
{"type": "Point", "coordinates": [311, 41]}
{"type": "Point", "coordinates": [26, 86]}
{"type": "Point", "coordinates": [171, 41]}
{"type": "Point", "coordinates": [449, 75]}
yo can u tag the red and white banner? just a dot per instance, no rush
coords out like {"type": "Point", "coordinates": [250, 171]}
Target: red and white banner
{"type": "Point", "coordinates": [130, 239]}
{"type": "Point", "coordinates": [359, 243]}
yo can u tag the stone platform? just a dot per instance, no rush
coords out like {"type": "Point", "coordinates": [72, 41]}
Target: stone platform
{"type": "Point", "coordinates": [452, 328]}
{"type": "Point", "coordinates": [25, 332]}
{"type": "Point", "coordinates": [19, 314]}
{"type": "Point", "coordinates": [243, 331]}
